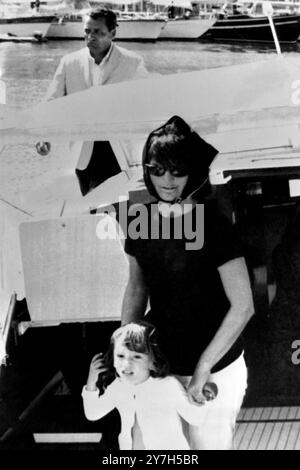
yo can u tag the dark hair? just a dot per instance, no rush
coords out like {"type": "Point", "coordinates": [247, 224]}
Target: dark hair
{"type": "Point", "coordinates": [140, 337]}
{"type": "Point", "coordinates": [177, 145]}
{"type": "Point", "coordinates": [104, 13]}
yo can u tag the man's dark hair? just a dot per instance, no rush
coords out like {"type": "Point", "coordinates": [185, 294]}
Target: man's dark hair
{"type": "Point", "coordinates": [104, 13]}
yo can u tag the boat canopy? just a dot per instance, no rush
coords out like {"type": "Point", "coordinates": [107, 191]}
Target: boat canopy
{"type": "Point", "coordinates": [214, 101]}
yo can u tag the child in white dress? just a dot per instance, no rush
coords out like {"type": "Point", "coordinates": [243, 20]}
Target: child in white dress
{"type": "Point", "coordinates": [151, 403]}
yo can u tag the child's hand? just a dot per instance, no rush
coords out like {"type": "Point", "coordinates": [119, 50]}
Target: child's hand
{"type": "Point", "coordinates": [96, 367]}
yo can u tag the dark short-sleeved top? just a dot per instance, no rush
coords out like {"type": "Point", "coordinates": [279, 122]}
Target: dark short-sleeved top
{"type": "Point", "coordinates": [187, 298]}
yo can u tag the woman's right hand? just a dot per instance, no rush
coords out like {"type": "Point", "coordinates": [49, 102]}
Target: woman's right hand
{"type": "Point", "coordinates": [96, 367]}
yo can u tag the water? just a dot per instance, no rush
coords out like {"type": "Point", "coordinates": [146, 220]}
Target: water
{"type": "Point", "coordinates": [27, 70]}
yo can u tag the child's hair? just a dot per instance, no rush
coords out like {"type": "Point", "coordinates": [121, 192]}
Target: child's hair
{"type": "Point", "coordinates": [140, 337]}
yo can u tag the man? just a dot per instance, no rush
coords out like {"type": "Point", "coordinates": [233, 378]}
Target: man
{"type": "Point", "coordinates": [100, 63]}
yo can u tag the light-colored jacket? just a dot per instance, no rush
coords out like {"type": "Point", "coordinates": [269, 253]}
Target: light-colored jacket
{"type": "Point", "coordinates": [73, 75]}
{"type": "Point", "coordinates": [158, 405]}
{"type": "Point", "coordinates": [73, 72]}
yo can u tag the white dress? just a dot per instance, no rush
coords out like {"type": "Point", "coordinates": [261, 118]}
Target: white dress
{"type": "Point", "coordinates": [158, 405]}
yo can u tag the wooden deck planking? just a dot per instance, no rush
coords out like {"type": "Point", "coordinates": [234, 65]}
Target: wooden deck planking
{"type": "Point", "coordinates": [283, 414]}
{"type": "Point", "coordinates": [266, 413]}
{"type": "Point", "coordinates": [247, 436]}
{"type": "Point", "coordinates": [259, 429]}
{"type": "Point", "coordinates": [239, 433]}
{"type": "Point", "coordinates": [265, 437]}
{"type": "Point", "coordinates": [297, 443]}
{"type": "Point", "coordinates": [241, 414]}
{"type": "Point", "coordinates": [292, 412]}
{"type": "Point", "coordinates": [275, 413]}
{"type": "Point", "coordinates": [257, 414]}
{"type": "Point", "coordinates": [270, 428]}
{"type": "Point", "coordinates": [284, 435]}
{"type": "Point", "coordinates": [249, 414]}
{"type": "Point", "coordinates": [293, 435]}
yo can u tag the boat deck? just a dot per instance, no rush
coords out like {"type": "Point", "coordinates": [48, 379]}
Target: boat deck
{"type": "Point", "coordinates": [41, 405]}
{"type": "Point", "coordinates": [54, 420]}
{"type": "Point", "coordinates": [269, 428]}
{"type": "Point", "coordinates": [263, 428]}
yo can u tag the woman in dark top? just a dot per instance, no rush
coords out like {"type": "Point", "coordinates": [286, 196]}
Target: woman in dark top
{"type": "Point", "coordinates": [191, 269]}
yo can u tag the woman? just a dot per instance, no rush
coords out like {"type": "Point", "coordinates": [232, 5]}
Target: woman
{"type": "Point", "coordinates": [201, 298]}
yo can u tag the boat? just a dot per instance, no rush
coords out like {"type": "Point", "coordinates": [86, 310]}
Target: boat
{"type": "Point", "coordinates": [130, 27]}
{"type": "Point", "coordinates": [182, 22]}
{"type": "Point", "coordinates": [247, 22]}
{"type": "Point", "coordinates": [138, 28]}
{"type": "Point", "coordinates": [26, 25]}
{"type": "Point", "coordinates": [61, 281]}
{"type": "Point", "coordinates": [186, 28]}
{"type": "Point", "coordinates": [36, 38]}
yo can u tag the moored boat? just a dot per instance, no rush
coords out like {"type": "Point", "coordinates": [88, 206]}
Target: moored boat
{"type": "Point", "coordinates": [183, 29]}
{"type": "Point", "coordinates": [70, 26]}
{"type": "Point", "coordinates": [184, 22]}
{"type": "Point", "coordinates": [139, 29]}
{"type": "Point", "coordinates": [26, 26]}
{"type": "Point", "coordinates": [252, 25]}
{"type": "Point", "coordinates": [37, 37]}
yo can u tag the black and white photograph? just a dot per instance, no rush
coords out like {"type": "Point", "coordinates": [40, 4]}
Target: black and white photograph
{"type": "Point", "coordinates": [149, 215]}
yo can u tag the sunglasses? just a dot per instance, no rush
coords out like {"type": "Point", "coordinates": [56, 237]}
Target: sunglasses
{"type": "Point", "coordinates": [158, 170]}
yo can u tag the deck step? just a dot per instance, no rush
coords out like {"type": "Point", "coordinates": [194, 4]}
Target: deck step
{"type": "Point", "coordinates": [67, 437]}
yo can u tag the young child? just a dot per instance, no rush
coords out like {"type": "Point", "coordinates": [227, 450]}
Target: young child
{"type": "Point", "coordinates": [151, 403]}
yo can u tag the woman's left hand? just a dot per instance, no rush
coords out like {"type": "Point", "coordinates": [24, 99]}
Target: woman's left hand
{"type": "Point", "coordinates": [195, 388]}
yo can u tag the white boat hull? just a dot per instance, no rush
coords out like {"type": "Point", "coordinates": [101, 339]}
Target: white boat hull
{"type": "Point", "coordinates": [66, 30]}
{"type": "Point", "coordinates": [139, 29]}
{"type": "Point", "coordinates": [186, 29]}
{"type": "Point", "coordinates": [24, 29]}
{"type": "Point", "coordinates": [128, 29]}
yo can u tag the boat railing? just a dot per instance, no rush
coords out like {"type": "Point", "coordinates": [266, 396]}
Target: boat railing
{"type": "Point", "coordinates": [132, 15]}
{"type": "Point", "coordinates": [203, 15]}
{"type": "Point", "coordinates": [5, 328]}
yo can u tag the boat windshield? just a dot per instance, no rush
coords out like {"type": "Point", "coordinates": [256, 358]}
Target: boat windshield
{"type": "Point", "coordinates": [235, 8]}
{"type": "Point", "coordinates": [242, 8]}
{"type": "Point", "coordinates": [257, 9]}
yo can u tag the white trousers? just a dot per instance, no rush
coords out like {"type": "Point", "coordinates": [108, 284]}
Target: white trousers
{"type": "Point", "coordinates": [216, 428]}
